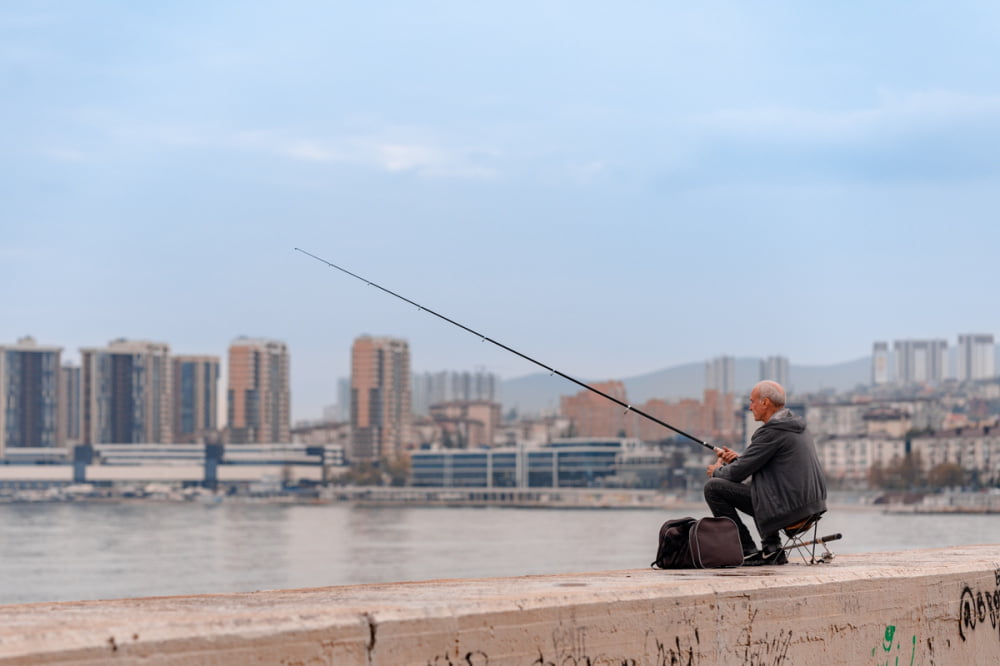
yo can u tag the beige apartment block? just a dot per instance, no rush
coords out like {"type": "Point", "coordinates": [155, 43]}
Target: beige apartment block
{"type": "Point", "coordinates": [259, 394]}
{"type": "Point", "coordinates": [381, 410]}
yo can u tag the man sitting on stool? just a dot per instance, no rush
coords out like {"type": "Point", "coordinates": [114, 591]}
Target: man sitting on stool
{"type": "Point", "coordinates": [786, 485]}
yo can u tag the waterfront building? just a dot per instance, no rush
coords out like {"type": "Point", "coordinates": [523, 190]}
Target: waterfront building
{"type": "Point", "coordinates": [976, 451]}
{"type": "Point", "coordinates": [29, 395]}
{"type": "Point", "coordinates": [921, 361]}
{"type": "Point", "coordinates": [593, 415]}
{"type": "Point", "coordinates": [260, 455]}
{"type": "Point", "coordinates": [532, 431]}
{"type": "Point", "coordinates": [125, 469]}
{"type": "Point", "coordinates": [775, 368]}
{"type": "Point", "coordinates": [880, 363]}
{"type": "Point", "coordinates": [71, 402]}
{"type": "Point", "coordinates": [720, 374]}
{"type": "Point", "coordinates": [127, 393]}
{"type": "Point", "coordinates": [196, 398]}
{"type": "Point", "coordinates": [976, 357]}
{"type": "Point", "coordinates": [381, 410]}
{"type": "Point", "coordinates": [467, 424]}
{"type": "Point", "coordinates": [570, 462]}
{"type": "Point", "coordinates": [849, 459]}
{"type": "Point", "coordinates": [258, 395]}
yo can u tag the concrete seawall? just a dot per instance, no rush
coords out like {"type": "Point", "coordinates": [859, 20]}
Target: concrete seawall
{"type": "Point", "coordinates": [915, 607]}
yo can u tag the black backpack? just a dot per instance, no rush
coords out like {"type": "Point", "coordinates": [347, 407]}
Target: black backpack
{"type": "Point", "coordinates": [686, 543]}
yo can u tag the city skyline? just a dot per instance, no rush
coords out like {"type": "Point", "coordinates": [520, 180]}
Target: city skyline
{"type": "Point", "coordinates": [608, 190]}
{"type": "Point", "coordinates": [714, 370]}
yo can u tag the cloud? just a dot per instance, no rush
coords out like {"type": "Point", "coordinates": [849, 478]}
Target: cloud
{"type": "Point", "coordinates": [309, 151]}
{"type": "Point", "coordinates": [393, 155]}
{"type": "Point", "coordinates": [403, 157]}
{"type": "Point", "coordinates": [894, 112]}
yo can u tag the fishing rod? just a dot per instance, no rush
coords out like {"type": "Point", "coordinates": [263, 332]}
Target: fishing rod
{"type": "Point", "coordinates": [484, 338]}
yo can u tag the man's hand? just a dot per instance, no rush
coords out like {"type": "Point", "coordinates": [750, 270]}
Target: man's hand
{"type": "Point", "coordinates": [727, 455]}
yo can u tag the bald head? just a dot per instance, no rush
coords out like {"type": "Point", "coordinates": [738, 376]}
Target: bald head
{"type": "Point", "coordinates": [772, 391]}
{"type": "Point", "coordinates": [766, 399]}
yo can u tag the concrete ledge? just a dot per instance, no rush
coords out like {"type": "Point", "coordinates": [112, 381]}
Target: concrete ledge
{"type": "Point", "coordinates": [915, 607]}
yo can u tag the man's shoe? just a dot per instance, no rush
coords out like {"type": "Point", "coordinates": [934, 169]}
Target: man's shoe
{"type": "Point", "coordinates": [773, 555]}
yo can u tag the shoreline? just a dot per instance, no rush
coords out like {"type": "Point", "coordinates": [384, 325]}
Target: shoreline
{"type": "Point", "coordinates": [404, 497]}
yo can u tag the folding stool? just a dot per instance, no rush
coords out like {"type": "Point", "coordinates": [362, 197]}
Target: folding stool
{"type": "Point", "coordinates": [797, 535]}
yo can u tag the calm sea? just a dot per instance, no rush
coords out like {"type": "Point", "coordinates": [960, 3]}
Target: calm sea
{"type": "Point", "coordinates": [73, 551]}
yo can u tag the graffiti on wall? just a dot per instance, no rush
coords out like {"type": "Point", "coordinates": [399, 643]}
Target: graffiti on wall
{"type": "Point", "coordinates": [766, 651]}
{"type": "Point", "coordinates": [891, 646]}
{"type": "Point", "coordinates": [474, 658]}
{"type": "Point", "coordinates": [979, 609]}
{"type": "Point", "coordinates": [570, 648]}
{"type": "Point", "coordinates": [671, 653]}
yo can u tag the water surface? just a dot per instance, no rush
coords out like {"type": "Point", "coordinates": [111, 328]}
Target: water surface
{"type": "Point", "coordinates": [71, 551]}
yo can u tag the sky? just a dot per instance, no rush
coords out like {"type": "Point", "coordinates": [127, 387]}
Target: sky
{"type": "Point", "coordinates": [610, 188]}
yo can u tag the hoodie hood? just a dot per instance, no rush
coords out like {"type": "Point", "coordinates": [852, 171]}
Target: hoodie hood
{"type": "Point", "coordinates": [785, 419]}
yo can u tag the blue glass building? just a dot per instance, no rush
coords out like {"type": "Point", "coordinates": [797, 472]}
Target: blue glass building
{"type": "Point", "coordinates": [577, 463]}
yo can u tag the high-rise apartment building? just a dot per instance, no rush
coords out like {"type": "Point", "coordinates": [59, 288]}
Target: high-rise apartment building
{"type": "Point", "coordinates": [720, 374]}
{"type": "Point", "coordinates": [196, 398]}
{"type": "Point", "coordinates": [880, 363]}
{"type": "Point", "coordinates": [775, 368]}
{"type": "Point", "coordinates": [976, 356]}
{"type": "Point", "coordinates": [259, 394]}
{"type": "Point", "coordinates": [919, 361]}
{"type": "Point", "coordinates": [127, 393]}
{"type": "Point", "coordinates": [71, 402]}
{"type": "Point", "coordinates": [381, 411]}
{"type": "Point", "coordinates": [343, 399]}
{"type": "Point", "coordinates": [29, 395]}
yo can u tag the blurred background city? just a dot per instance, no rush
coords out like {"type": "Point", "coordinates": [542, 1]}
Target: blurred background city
{"type": "Point", "coordinates": [134, 419]}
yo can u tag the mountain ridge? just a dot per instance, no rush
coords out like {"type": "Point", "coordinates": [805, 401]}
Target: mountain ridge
{"type": "Point", "coordinates": [540, 392]}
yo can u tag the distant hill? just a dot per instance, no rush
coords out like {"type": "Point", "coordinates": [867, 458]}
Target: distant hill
{"type": "Point", "coordinates": [540, 392]}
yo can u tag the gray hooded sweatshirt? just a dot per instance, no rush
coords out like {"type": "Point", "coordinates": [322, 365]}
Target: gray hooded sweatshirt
{"type": "Point", "coordinates": [787, 484]}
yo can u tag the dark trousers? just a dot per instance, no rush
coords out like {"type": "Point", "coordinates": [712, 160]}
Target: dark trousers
{"type": "Point", "coordinates": [725, 498]}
